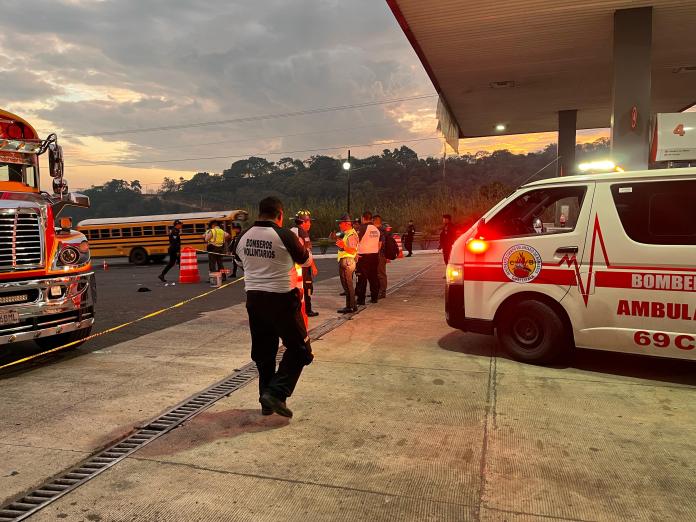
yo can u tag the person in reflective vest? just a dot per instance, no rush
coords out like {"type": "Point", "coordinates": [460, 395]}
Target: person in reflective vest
{"type": "Point", "coordinates": [215, 238]}
{"type": "Point", "coordinates": [347, 244]}
{"type": "Point", "coordinates": [303, 223]}
{"type": "Point", "coordinates": [368, 259]}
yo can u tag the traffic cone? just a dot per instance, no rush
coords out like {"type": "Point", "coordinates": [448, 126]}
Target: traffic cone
{"type": "Point", "coordinates": [188, 268]}
{"type": "Point", "coordinates": [104, 265]}
{"type": "Point", "coordinates": [397, 238]}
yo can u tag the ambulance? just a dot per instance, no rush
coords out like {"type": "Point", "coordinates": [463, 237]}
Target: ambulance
{"type": "Point", "coordinates": [600, 261]}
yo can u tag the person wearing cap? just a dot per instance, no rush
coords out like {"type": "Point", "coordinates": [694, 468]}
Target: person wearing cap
{"type": "Point", "coordinates": [215, 238]}
{"type": "Point", "coordinates": [268, 254]}
{"type": "Point", "coordinates": [174, 250]}
{"type": "Point", "coordinates": [347, 252]}
{"type": "Point", "coordinates": [303, 223]}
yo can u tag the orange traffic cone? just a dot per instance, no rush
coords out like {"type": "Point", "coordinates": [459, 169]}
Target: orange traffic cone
{"type": "Point", "coordinates": [188, 269]}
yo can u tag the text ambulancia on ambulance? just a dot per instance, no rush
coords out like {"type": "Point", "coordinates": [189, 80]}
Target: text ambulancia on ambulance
{"type": "Point", "coordinates": [602, 261]}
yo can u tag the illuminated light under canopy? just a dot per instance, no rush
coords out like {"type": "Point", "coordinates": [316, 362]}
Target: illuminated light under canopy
{"type": "Point", "coordinates": [500, 127]}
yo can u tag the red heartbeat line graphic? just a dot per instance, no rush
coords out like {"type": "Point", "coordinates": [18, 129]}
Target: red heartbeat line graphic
{"type": "Point", "coordinates": [572, 262]}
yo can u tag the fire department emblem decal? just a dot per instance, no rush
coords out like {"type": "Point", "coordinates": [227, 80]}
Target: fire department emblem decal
{"type": "Point", "coordinates": [522, 263]}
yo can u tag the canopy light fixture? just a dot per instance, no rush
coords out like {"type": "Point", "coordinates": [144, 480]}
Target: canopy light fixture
{"type": "Point", "coordinates": [500, 127]}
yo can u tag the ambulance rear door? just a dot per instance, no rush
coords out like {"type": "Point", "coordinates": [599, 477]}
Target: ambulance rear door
{"type": "Point", "coordinates": [529, 242]}
{"type": "Point", "coordinates": [637, 285]}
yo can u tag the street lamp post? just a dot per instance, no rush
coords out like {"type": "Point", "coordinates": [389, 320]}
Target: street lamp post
{"type": "Point", "coordinates": [346, 167]}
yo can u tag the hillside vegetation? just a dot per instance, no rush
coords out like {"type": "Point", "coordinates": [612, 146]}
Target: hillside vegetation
{"type": "Point", "coordinates": [397, 184]}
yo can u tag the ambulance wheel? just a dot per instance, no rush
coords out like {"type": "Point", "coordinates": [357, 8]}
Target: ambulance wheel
{"type": "Point", "coordinates": [54, 341]}
{"type": "Point", "coordinates": [532, 331]}
{"type": "Point", "coordinates": [138, 256]}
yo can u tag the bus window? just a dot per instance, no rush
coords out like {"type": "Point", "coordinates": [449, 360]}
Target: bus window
{"type": "Point", "coordinates": [30, 173]}
{"type": "Point", "coordinates": [147, 231]}
{"type": "Point", "coordinates": [160, 230]}
{"type": "Point", "coordinates": [104, 233]}
{"type": "Point", "coordinates": [115, 232]}
{"type": "Point", "coordinates": [11, 172]}
{"type": "Point", "coordinates": [126, 232]}
{"type": "Point", "coordinates": [187, 228]}
{"type": "Point", "coordinates": [200, 228]}
{"type": "Point", "coordinates": [137, 231]}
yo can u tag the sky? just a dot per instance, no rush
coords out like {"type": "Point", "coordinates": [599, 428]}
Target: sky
{"type": "Point", "coordinates": [89, 69]}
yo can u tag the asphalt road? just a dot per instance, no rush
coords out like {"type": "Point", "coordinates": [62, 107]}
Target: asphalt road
{"type": "Point", "coordinates": [127, 292]}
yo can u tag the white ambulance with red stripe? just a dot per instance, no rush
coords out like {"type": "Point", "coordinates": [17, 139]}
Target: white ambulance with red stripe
{"type": "Point", "coordinates": [602, 261]}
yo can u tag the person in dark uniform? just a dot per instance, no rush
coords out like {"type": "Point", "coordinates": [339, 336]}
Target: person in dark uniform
{"type": "Point", "coordinates": [408, 238]}
{"type": "Point", "coordinates": [448, 235]}
{"type": "Point", "coordinates": [268, 254]}
{"type": "Point", "coordinates": [174, 248]}
{"type": "Point", "coordinates": [234, 236]}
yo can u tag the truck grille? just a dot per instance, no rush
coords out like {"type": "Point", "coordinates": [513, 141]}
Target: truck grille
{"type": "Point", "coordinates": [21, 240]}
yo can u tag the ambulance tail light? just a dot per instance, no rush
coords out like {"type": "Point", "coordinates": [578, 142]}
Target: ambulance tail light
{"type": "Point", "coordinates": [455, 274]}
{"type": "Point", "coordinates": [477, 245]}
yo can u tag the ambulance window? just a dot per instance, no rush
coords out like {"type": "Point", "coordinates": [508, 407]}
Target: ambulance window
{"type": "Point", "coordinates": [657, 213]}
{"type": "Point", "coordinates": [542, 211]}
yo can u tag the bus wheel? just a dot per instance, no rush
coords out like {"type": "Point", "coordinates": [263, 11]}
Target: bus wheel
{"type": "Point", "coordinates": [138, 256]}
{"type": "Point", "coordinates": [54, 341]}
{"type": "Point", "coordinates": [532, 331]}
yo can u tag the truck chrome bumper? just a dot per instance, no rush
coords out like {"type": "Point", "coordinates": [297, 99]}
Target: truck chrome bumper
{"type": "Point", "coordinates": [47, 307]}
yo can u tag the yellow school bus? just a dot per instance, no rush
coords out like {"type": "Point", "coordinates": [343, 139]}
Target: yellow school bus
{"type": "Point", "coordinates": [145, 238]}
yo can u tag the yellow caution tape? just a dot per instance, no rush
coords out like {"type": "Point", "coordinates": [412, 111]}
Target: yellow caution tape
{"type": "Point", "coordinates": [114, 328]}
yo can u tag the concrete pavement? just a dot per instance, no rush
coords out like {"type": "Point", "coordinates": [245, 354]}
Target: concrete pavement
{"type": "Point", "coordinates": [398, 418]}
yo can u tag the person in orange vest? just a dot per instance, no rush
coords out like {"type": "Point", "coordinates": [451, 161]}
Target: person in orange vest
{"type": "Point", "coordinates": [215, 238]}
{"type": "Point", "coordinates": [174, 248]}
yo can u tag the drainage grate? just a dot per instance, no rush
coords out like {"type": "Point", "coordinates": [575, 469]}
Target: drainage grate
{"type": "Point", "coordinates": [57, 487]}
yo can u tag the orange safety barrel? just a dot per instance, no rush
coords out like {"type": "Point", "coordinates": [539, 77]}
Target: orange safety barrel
{"type": "Point", "coordinates": [188, 269]}
{"type": "Point", "coordinates": [397, 238]}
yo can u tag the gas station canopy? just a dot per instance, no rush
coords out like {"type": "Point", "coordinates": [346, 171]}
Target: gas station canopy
{"type": "Point", "coordinates": [518, 63]}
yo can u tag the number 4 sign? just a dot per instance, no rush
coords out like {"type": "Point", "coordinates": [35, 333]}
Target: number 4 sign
{"type": "Point", "coordinates": [676, 137]}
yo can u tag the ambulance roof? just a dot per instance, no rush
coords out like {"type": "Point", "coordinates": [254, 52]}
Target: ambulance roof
{"type": "Point", "coordinates": [619, 176]}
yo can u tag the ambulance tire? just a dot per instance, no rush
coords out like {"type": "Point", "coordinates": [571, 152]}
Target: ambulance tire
{"type": "Point", "coordinates": [532, 331]}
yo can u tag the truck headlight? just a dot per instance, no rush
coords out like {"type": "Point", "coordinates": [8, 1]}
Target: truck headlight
{"type": "Point", "coordinates": [69, 255]}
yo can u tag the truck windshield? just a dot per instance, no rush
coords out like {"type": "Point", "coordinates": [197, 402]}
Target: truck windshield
{"type": "Point", "coordinates": [25, 174]}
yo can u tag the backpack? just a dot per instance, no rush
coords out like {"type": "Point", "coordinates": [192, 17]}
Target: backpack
{"type": "Point", "coordinates": [391, 249]}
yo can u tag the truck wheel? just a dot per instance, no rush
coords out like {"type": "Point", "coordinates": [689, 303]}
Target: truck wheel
{"type": "Point", "coordinates": [138, 256]}
{"type": "Point", "coordinates": [532, 331]}
{"type": "Point", "coordinates": [54, 341]}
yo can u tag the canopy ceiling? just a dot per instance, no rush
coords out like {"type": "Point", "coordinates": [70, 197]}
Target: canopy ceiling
{"type": "Point", "coordinates": [518, 62]}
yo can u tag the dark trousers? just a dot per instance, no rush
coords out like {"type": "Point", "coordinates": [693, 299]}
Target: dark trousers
{"type": "Point", "coordinates": [173, 259]}
{"type": "Point", "coordinates": [446, 251]}
{"type": "Point", "coordinates": [367, 269]}
{"type": "Point", "coordinates": [308, 284]}
{"type": "Point", "coordinates": [346, 268]}
{"type": "Point", "coordinates": [272, 317]}
{"type": "Point", "coordinates": [382, 274]}
{"type": "Point", "coordinates": [215, 258]}
{"type": "Point", "coordinates": [408, 244]}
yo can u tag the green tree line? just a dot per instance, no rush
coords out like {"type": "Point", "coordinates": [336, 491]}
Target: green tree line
{"type": "Point", "coordinates": [396, 184]}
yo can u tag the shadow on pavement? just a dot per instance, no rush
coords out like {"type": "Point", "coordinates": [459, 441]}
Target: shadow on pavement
{"type": "Point", "coordinates": [211, 426]}
{"type": "Point", "coordinates": [674, 371]}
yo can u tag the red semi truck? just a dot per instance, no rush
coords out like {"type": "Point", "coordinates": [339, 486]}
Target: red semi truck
{"type": "Point", "coordinates": [47, 289]}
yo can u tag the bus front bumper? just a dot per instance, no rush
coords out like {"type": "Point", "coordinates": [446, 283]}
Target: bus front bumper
{"type": "Point", "coordinates": [45, 307]}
